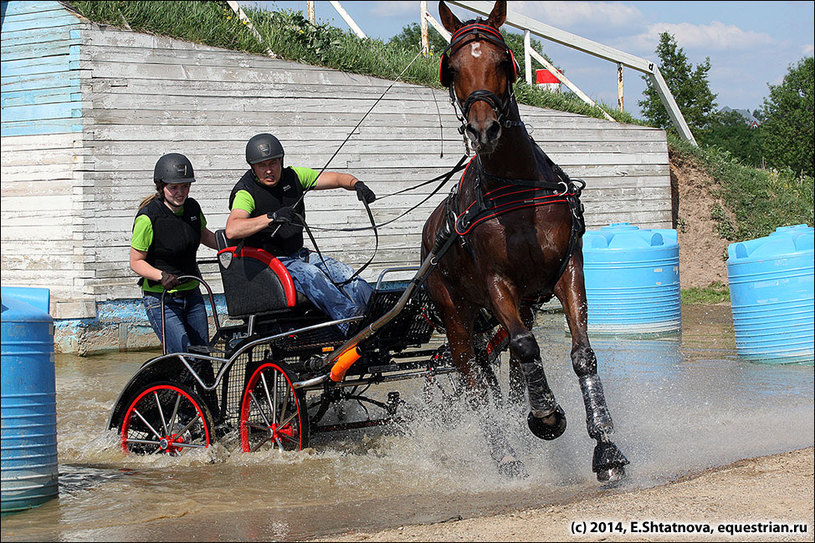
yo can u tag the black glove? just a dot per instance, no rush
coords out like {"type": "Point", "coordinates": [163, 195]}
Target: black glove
{"type": "Point", "coordinates": [364, 194]}
{"type": "Point", "coordinates": [168, 280]}
{"type": "Point", "coordinates": [283, 215]}
{"type": "Point", "coordinates": [285, 223]}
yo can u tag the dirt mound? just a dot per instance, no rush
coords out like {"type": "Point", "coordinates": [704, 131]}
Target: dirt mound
{"type": "Point", "coordinates": [702, 251]}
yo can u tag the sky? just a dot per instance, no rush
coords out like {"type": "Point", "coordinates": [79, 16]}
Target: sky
{"type": "Point", "coordinates": [750, 44]}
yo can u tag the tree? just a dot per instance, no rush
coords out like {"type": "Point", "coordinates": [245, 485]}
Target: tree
{"type": "Point", "coordinates": [690, 88]}
{"type": "Point", "coordinates": [729, 130]}
{"type": "Point", "coordinates": [789, 125]}
{"type": "Point", "coordinates": [410, 39]}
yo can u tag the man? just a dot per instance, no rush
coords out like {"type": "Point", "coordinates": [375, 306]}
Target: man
{"type": "Point", "coordinates": [266, 208]}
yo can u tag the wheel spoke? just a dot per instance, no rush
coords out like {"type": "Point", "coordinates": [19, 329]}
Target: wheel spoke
{"type": "Point", "coordinates": [193, 420]}
{"type": "Point", "coordinates": [189, 445]}
{"type": "Point", "coordinates": [268, 397]}
{"type": "Point", "coordinates": [288, 420]}
{"type": "Point", "coordinates": [143, 442]}
{"type": "Point", "coordinates": [289, 438]}
{"type": "Point", "coordinates": [257, 426]}
{"type": "Point", "coordinates": [161, 413]}
{"type": "Point", "coordinates": [268, 437]}
{"type": "Point", "coordinates": [136, 411]}
{"type": "Point", "coordinates": [175, 411]}
{"type": "Point", "coordinates": [284, 405]}
{"type": "Point", "coordinates": [260, 408]}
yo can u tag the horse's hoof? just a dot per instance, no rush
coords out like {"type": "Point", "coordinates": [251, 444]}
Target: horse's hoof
{"type": "Point", "coordinates": [608, 462]}
{"type": "Point", "coordinates": [513, 469]}
{"type": "Point", "coordinates": [611, 476]}
{"type": "Point", "coordinates": [548, 431]}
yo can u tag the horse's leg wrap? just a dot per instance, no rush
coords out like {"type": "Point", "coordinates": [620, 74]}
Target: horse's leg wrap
{"type": "Point", "coordinates": [525, 350]}
{"type": "Point", "coordinates": [598, 419]}
{"type": "Point", "coordinates": [546, 419]}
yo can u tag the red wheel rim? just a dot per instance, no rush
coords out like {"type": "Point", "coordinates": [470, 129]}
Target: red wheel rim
{"type": "Point", "coordinates": [169, 442]}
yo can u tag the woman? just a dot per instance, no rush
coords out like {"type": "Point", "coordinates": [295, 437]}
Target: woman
{"type": "Point", "coordinates": [168, 229]}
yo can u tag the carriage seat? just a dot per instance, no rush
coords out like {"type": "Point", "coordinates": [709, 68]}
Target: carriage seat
{"type": "Point", "coordinates": [255, 281]}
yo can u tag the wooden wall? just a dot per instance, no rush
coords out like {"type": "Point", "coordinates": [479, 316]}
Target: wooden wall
{"type": "Point", "coordinates": [43, 219]}
{"type": "Point", "coordinates": [143, 96]}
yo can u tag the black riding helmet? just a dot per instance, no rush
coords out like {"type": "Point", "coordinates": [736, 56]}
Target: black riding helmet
{"type": "Point", "coordinates": [173, 168]}
{"type": "Point", "coordinates": [263, 147]}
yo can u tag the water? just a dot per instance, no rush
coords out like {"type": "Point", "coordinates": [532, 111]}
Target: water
{"type": "Point", "coordinates": [679, 406]}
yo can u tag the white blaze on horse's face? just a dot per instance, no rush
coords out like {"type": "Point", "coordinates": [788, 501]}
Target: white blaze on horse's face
{"type": "Point", "coordinates": [475, 49]}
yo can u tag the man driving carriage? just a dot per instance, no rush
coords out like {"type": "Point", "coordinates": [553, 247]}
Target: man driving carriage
{"type": "Point", "coordinates": [267, 210]}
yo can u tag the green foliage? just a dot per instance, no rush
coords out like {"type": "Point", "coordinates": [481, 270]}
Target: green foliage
{"type": "Point", "coordinates": [789, 120]}
{"type": "Point", "coordinates": [730, 132]}
{"type": "Point", "coordinates": [210, 23]}
{"type": "Point", "coordinates": [410, 39]}
{"type": "Point", "coordinates": [690, 88]}
{"type": "Point", "coordinates": [715, 293]}
{"type": "Point", "coordinates": [755, 201]}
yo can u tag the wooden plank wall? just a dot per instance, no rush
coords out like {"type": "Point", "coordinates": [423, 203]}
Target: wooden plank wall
{"type": "Point", "coordinates": [145, 95]}
{"type": "Point", "coordinates": [42, 204]}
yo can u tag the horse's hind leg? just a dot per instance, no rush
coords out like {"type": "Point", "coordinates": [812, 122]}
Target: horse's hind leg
{"type": "Point", "coordinates": [608, 462]}
{"type": "Point", "coordinates": [478, 391]}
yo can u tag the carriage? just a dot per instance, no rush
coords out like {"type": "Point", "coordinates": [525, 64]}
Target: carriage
{"type": "Point", "coordinates": [281, 370]}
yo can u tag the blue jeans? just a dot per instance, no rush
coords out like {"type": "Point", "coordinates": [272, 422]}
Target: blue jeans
{"type": "Point", "coordinates": [185, 319]}
{"type": "Point", "coordinates": [309, 275]}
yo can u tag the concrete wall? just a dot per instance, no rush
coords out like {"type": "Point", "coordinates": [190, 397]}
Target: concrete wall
{"type": "Point", "coordinates": [128, 98]}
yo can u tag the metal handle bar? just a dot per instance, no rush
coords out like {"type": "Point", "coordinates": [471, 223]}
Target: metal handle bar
{"type": "Point", "coordinates": [211, 303]}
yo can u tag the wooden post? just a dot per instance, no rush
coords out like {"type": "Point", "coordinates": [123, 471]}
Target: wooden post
{"type": "Point", "coordinates": [528, 57]}
{"type": "Point", "coordinates": [620, 94]}
{"type": "Point", "coordinates": [311, 17]}
{"type": "Point", "coordinates": [423, 23]}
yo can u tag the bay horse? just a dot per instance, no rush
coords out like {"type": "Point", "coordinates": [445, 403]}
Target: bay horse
{"type": "Point", "coordinates": [511, 232]}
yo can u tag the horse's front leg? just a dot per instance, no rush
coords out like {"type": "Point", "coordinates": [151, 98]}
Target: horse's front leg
{"type": "Point", "coordinates": [608, 460]}
{"type": "Point", "coordinates": [546, 418]}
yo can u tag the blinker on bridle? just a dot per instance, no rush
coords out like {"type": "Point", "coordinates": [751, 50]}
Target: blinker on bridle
{"type": "Point", "coordinates": [464, 35]}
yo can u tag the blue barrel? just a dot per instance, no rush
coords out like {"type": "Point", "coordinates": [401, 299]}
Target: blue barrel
{"type": "Point", "coordinates": [771, 295]}
{"type": "Point", "coordinates": [29, 412]}
{"type": "Point", "coordinates": [632, 280]}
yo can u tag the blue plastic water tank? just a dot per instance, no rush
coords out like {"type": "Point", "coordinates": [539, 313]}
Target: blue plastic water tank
{"type": "Point", "coordinates": [771, 295]}
{"type": "Point", "coordinates": [632, 280]}
{"type": "Point", "coordinates": [29, 414]}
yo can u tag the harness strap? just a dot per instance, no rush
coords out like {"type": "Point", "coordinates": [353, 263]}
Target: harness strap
{"type": "Point", "coordinates": [516, 194]}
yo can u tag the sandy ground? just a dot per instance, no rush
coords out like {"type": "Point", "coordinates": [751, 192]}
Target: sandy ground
{"type": "Point", "coordinates": [764, 493]}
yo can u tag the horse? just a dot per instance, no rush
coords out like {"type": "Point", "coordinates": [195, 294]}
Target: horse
{"type": "Point", "coordinates": [508, 238]}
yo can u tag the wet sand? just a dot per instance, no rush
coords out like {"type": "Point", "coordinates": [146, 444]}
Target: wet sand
{"type": "Point", "coordinates": [766, 494]}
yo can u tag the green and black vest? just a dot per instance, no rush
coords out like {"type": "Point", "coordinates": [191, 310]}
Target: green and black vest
{"type": "Point", "coordinates": [267, 200]}
{"type": "Point", "coordinates": [175, 238]}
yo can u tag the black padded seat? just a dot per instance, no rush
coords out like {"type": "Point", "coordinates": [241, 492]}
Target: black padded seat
{"type": "Point", "coordinates": [255, 281]}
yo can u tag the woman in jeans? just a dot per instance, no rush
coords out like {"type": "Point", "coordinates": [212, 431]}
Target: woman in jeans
{"type": "Point", "coordinates": [168, 229]}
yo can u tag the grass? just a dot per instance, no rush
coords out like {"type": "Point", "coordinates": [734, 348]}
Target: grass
{"type": "Point", "coordinates": [756, 201]}
{"type": "Point", "coordinates": [714, 293]}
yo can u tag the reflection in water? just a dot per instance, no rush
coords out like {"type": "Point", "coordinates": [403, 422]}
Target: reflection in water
{"type": "Point", "coordinates": [680, 405]}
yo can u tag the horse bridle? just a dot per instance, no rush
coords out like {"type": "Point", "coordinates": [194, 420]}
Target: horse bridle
{"type": "Point", "coordinates": [464, 35]}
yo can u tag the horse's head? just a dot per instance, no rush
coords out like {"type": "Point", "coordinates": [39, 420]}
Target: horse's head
{"type": "Point", "coordinates": [479, 70]}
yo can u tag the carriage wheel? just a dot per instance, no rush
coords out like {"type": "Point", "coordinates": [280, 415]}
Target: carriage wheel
{"type": "Point", "coordinates": [166, 418]}
{"type": "Point", "coordinates": [273, 414]}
